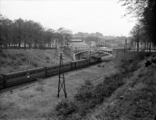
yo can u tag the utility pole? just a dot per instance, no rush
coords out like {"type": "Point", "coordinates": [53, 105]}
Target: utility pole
{"type": "Point", "coordinates": [61, 82]}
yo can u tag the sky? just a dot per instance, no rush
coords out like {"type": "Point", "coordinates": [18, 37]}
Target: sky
{"type": "Point", "coordinates": [104, 16]}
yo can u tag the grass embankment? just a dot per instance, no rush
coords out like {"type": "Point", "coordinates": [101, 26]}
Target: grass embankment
{"type": "Point", "coordinates": [130, 94]}
{"type": "Point", "coordinates": [13, 60]}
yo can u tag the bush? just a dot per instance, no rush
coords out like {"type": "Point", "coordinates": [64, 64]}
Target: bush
{"type": "Point", "coordinates": [85, 92]}
{"type": "Point", "coordinates": [89, 96]}
{"type": "Point", "coordinates": [105, 89]}
{"type": "Point", "coordinates": [3, 55]}
{"type": "Point", "coordinates": [13, 57]}
{"type": "Point", "coordinates": [20, 54]}
{"type": "Point", "coordinates": [138, 105]}
{"type": "Point", "coordinates": [23, 59]}
{"type": "Point", "coordinates": [129, 66]}
{"type": "Point", "coordinates": [19, 63]}
{"type": "Point", "coordinates": [47, 58]}
{"type": "Point", "coordinates": [35, 64]}
{"type": "Point", "coordinates": [65, 108]}
{"type": "Point", "coordinates": [2, 62]}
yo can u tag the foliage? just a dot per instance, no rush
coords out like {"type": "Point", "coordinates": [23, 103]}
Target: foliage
{"type": "Point", "coordinates": [144, 10]}
{"type": "Point", "coordinates": [137, 104]}
{"type": "Point", "coordinates": [65, 108]}
{"type": "Point", "coordinates": [29, 33]}
{"type": "Point", "coordinates": [89, 96]}
{"type": "Point", "coordinates": [84, 93]}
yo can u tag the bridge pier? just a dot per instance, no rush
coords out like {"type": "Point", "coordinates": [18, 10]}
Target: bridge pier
{"type": "Point", "coordinates": [74, 57]}
{"type": "Point", "coordinates": [77, 56]}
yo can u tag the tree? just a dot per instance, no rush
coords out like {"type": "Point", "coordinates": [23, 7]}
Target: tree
{"type": "Point", "coordinates": [19, 25]}
{"type": "Point", "coordinates": [144, 10]}
{"type": "Point", "coordinates": [29, 33]}
{"type": "Point", "coordinates": [136, 34]}
{"type": "Point", "coordinates": [64, 35]}
{"type": "Point", "coordinates": [5, 31]}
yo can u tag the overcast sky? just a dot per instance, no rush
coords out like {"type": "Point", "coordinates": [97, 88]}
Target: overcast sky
{"type": "Point", "coordinates": [104, 16]}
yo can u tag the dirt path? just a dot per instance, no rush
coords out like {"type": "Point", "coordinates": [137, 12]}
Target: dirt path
{"type": "Point", "coordinates": [39, 100]}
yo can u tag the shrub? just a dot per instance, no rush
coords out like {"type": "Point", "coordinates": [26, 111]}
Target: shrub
{"type": "Point", "coordinates": [47, 58]}
{"type": "Point", "coordinates": [138, 105]}
{"type": "Point", "coordinates": [105, 89]}
{"type": "Point", "coordinates": [13, 57]}
{"type": "Point", "coordinates": [19, 63]}
{"type": "Point", "coordinates": [35, 64]}
{"type": "Point", "coordinates": [84, 93]}
{"type": "Point", "coordinates": [20, 54]}
{"type": "Point", "coordinates": [23, 59]}
{"type": "Point", "coordinates": [65, 108]}
{"type": "Point", "coordinates": [3, 55]}
{"type": "Point", "coordinates": [89, 96]}
{"type": "Point", "coordinates": [2, 62]}
{"type": "Point", "coordinates": [129, 66]}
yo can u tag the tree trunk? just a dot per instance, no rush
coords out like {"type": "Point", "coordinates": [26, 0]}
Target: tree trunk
{"type": "Point", "coordinates": [138, 37]}
{"type": "Point", "coordinates": [19, 43]}
{"type": "Point", "coordinates": [138, 45]}
{"type": "Point", "coordinates": [134, 46]}
{"type": "Point", "coordinates": [24, 44]}
{"type": "Point", "coordinates": [145, 45]}
{"type": "Point", "coordinates": [9, 44]}
{"type": "Point", "coordinates": [150, 46]}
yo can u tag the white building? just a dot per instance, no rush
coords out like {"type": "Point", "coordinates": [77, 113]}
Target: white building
{"type": "Point", "coordinates": [78, 45]}
{"type": "Point", "coordinates": [101, 43]}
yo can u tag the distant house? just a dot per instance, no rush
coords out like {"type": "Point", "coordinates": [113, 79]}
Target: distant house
{"type": "Point", "coordinates": [101, 43]}
{"type": "Point", "coordinates": [115, 45]}
{"type": "Point", "coordinates": [93, 44]}
{"type": "Point", "coordinates": [78, 45]}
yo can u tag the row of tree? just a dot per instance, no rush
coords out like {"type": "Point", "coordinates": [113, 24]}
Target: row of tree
{"type": "Point", "coordinates": [85, 34]}
{"type": "Point", "coordinates": [97, 35]}
{"type": "Point", "coordinates": [29, 34]}
{"type": "Point", "coordinates": [144, 31]}
{"type": "Point", "coordinates": [22, 33]}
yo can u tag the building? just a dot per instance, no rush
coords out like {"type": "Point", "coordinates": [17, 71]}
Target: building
{"type": "Point", "coordinates": [101, 43]}
{"type": "Point", "coordinates": [78, 45]}
{"type": "Point", "coordinates": [92, 44]}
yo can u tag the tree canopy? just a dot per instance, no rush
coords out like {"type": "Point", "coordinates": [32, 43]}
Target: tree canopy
{"type": "Point", "coordinates": [29, 34]}
{"type": "Point", "coordinates": [144, 10]}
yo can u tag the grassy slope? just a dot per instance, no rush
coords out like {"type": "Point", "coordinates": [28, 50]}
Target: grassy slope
{"type": "Point", "coordinates": [18, 60]}
{"type": "Point", "coordinates": [129, 94]}
{"type": "Point", "coordinates": [136, 99]}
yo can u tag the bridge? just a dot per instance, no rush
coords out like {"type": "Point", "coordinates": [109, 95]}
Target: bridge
{"type": "Point", "coordinates": [79, 54]}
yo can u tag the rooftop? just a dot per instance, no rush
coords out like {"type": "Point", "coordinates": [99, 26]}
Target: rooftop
{"type": "Point", "coordinates": [76, 40]}
{"type": "Point", "coordinates": [78, 44]}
